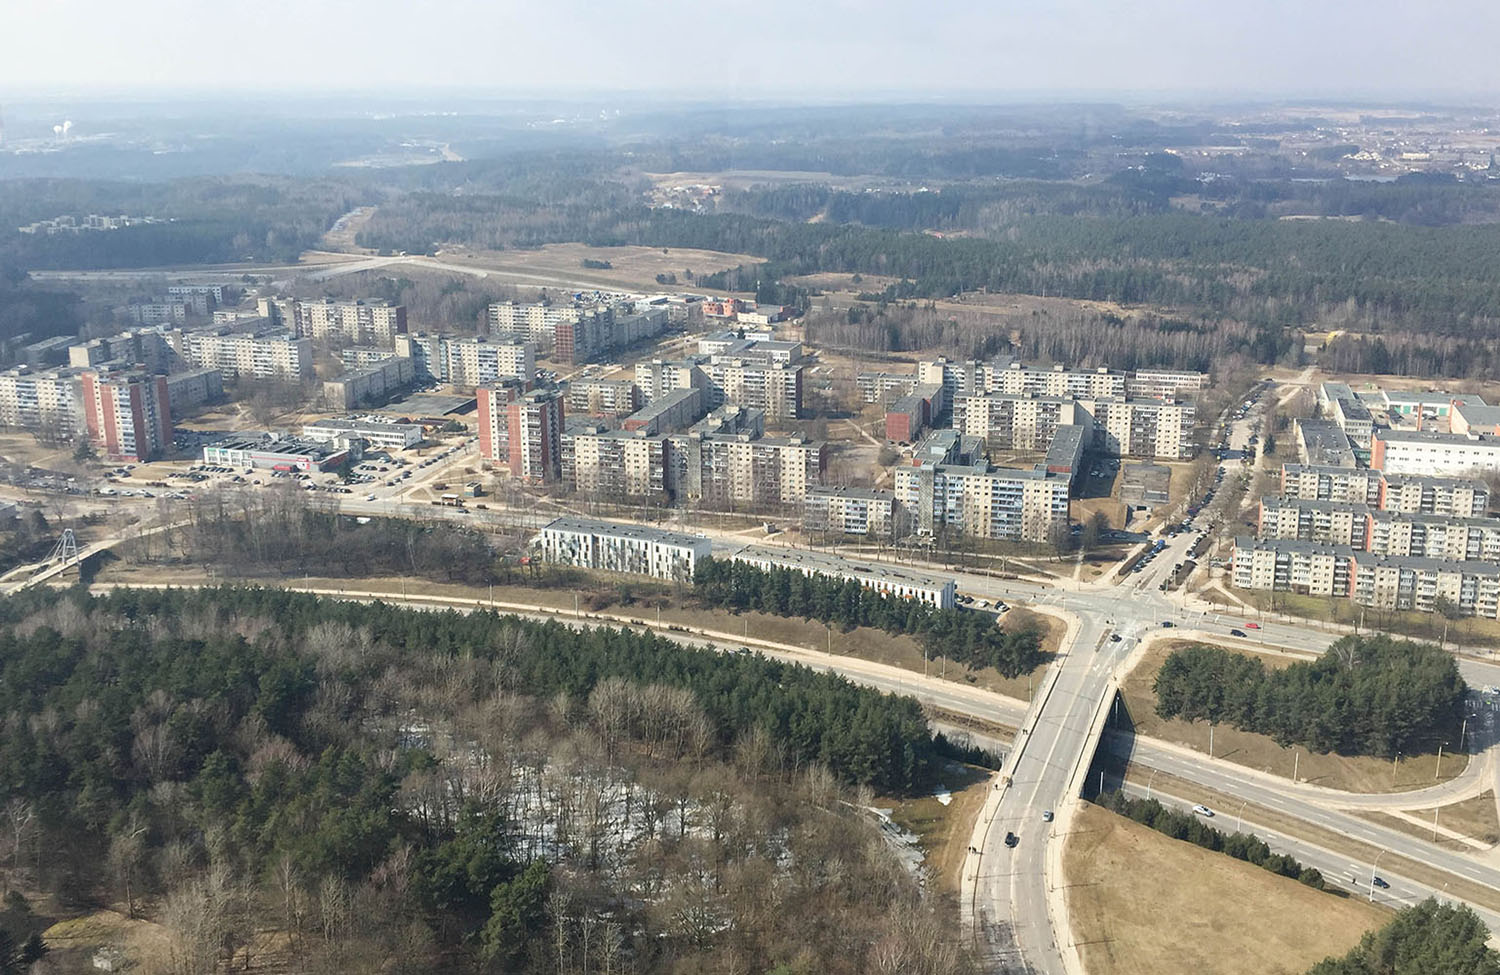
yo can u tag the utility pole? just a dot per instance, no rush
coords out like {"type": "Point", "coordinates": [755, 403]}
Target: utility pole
{"type": "Point", "coordinates": [1210, 741]}
{"type": "Point", "coordinates": [1296, 759]}
{"type": "Point", "coordinates": [1437, 773]}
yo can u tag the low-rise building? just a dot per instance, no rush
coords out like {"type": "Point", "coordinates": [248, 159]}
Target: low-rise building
{"type": "Point", "coordinates": [895, 581]}
{"type": "Point", "coordinates": [385, 434]}
{"type": "Point", "coordinates": [1323, 443]}
{"type": "Point", "coordinates": [1354, 419]}
{"type": "Point", "coordinates": [614, 547]}
{"type": "Point", "coordinates": [275, 454]}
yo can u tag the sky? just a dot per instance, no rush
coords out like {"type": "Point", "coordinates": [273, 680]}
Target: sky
{"type": "Point", "coordinates": [752, 49]}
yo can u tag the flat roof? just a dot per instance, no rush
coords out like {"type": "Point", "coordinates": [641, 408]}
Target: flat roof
{"type": "Point", "coordinates": [866, 494]}
{"type": "Point", "coordinates": [617, 529]}
{"type": "Point", "coordinates": [666, 403]}
{"type": "Point", "coordinates": [1430, 396]}
{"type": "Point", "coordinates": [430, 404]}
{"type": "Point", "coordinates": [280, 445]}
{"type": "Point", "coordinates": [836, 565]}
{"type": "Point", "coordinates": [1434, 437]}
{"type": "Point", "coordinates": [372, 426]}
{"type": "Point", "coordinates": [1285, 501]}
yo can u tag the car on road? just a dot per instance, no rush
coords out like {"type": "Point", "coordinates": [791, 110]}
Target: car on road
{"type": "Point", "coordinates": [1380, 882]}
{"type": "Point", "coordinates": [1114, 638]}
{"type": "Point", "coordinates": [1011, 839]}
{"type": "Point", "coordinates": [1204, 811]}
{"type": "Point", "coordinates": [1236, 632]}
{"type": "Point", "coordinates": [1252, 626]}
{"type": "Point", "coordinates": [1167, 624]}
{"type": "Point", "coordinates": [1047, 816]}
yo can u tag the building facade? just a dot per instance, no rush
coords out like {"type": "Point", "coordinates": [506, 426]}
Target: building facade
{"type": "Point", "coordinates": [127, 415]}
{"type": "Point", "coordinates": [614, 547]}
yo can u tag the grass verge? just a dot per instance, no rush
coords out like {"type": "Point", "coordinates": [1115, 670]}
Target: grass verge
{"type": "Point", "coordinates": [1142, 903]}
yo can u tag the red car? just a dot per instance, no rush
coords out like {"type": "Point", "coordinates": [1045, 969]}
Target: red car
{"type": "Point", "coordinates": [1252, 626]}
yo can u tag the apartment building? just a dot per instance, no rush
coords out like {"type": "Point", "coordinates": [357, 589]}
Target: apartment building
{"type": "Point", "coordinates": [980, 500]}
{"type": "Point", "coordinates": [325, 319]}
{"type": "Point", "coordinates": [673, 411]}
{"type": "Point", "coordinates": [1448, 537]}
{"type": "Point", "coordinates": [743, 469]}
{"type": "Point", "coordinates": [900, 583]}
{"type": "Point", "coordinates": [908, 416]}
{"type": "Point", "coordinates": [143, 347]}
{"type": "Point", "coordinates": [774, 387]}
{"type": "Point", "coordinates": [521, 431]}
{"type": "Point", "coordinates": [256, 354]}
{"type": "Point", "coordinates": [885, 387]}
{"type": "Point", "coordinates": [615, 547]}
{"type": "Point", "coordinates": [603, 397]}
{"type": "Point", "coordinates": [852, 511]}
{"type": "Point", "coordinates": [660, 376]}
{"type": "Point", "coordinates": [1426, 452]}
{"type": "Point", "coordinates": [1016, 421]}
{"type": "Point", "coordinates": [1017, 379]}
{"type": "Point", "coordinates": [1318, 483]}
{"type": "Point", "coordinates": [958, 378]}
{"type": "Point", "coordinates": [1414, 494]}
{"type": "Point", "coordinates": [614, 464]}
{"type": "Point", "coordinates": [186, 390]}
{"type": "Point", "coordinates": [1386, 582]}
{"type": "Point", "coordinates": [1382, 582]}
{"type": "Point", "coordinates": [578, 331]}
{"type": "Point", "coordinates": [1141, 427]}
{"type": "Point", "coordinates": [1164, 384]}
{"type": "Point", "coordinates": [1324, 522]}
{"type": "Point", "coordinates": [1354, 419]}
{"type": "Point", "coordinates": [127, 414]}
{"type": "Point", "coordinates": [362, 387]}
{"type": "Point", "coordinates": [47, 403]}
{"type": "Point", "coordinates": [1292, 565]}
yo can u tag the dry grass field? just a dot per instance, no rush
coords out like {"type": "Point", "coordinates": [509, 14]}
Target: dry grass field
{"type": "Point", "coordinates": [945, 831]}
{"type": "Point", "coordinates": [1351, 773]}
{"type": "Point", "coordinates": [1144, 904]}
{"type": "Point", "coordinates": [630, 267]}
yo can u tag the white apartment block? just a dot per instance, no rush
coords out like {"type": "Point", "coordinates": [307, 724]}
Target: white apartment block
{"type": "Point", "coordinates": [1142, 427]}
{"type": "Point", "coordinates": [1325, 522]}
{"type": "Point", "coordinates": [355, 322]}
{"type": "Point", "coordinates": [366, 385]}
{"type": "Point", "coordinates": [260, 356]}
{"type": "Point", "coordinates": [1001, 503]}
{"type": "Point", "coordinates": [742, 469]}
{"type": "Point", "coordinates": [614, 463]}
{"type": "Point", "coordinates": [1015, 421]}
{"type": "Point", "coordinates": [851, 511]}
{"type": "Point", "coordinates": [1316, 483]}
{"type": "Point", "coordinates": [1446, 537]}
{"type": "Point", "coordinates": [1414, 494]}
{"type": "Point", "coordinates": [1016, 379]}
{"type": "Point", "coordinates": [1164, 383]}
{"type": "Point", "coordinates": [614, 547]}
{"type": "Point", "coordinates": [774, 387]}
{"type": "Point", "coordinates": [1291, 565]}
{"type": "Point", "coordinates": [476, 361]}
{"type": "Point", "coordinates": [49, 404]}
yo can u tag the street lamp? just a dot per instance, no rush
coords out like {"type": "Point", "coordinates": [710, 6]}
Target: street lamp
{"type": "Point", "coordinates": [1149, 781]}
{"type": "Point", "coordinates": [1239, 817]}
{"type": "Point", "coordinates": [1372, 873]}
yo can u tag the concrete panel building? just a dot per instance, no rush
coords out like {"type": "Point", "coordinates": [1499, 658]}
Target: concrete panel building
{"type": "Point", "coordinates": [521, 431]}
{"type": "Point", "coordinates": [127, 414]}
{"type": "Point", "coordinates": [852, 511]}
{"type": "Point", "coordinates": [980, 500]}
{"type": "Point", "coordinates": [615, 547]}
{"type": "Point", "coordinates": [368, 385]}
{"type": "Point", "coordinates": [894, 581]}
{"type": "Point", "coordinates": [1425, 452]}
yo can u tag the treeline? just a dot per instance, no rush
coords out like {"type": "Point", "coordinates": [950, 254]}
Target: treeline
{"type": "Point", "coordinates": [1370, 695]}
{"type": "Point", "coordinates": [373, 788]}
{"type": "Point", "coordinates": [1072, 336]}
{"type": "Point", "coordinates": [1412, 354]}
{"type": "Point", "coordinates": [28, 309]}
{"type": "Point", "coordinates": [211, 220]}
{"type": "Point", "coordinates": [282, 532]}
{"type": "Point", "coordinates": [1191, 829]}
{"type": "Point", "coordinates": [1274, 272]}
{"type": "Point", "coordinates": [1430, 938]}
{"type": "Point", "coordinates": [964, 636]}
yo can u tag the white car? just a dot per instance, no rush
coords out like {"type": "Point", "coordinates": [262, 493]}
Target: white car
{"type": "Point", "coordinates": [1202, 810]}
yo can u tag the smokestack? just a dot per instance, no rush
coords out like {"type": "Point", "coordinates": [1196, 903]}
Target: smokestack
{"type": "Point", "coordinates": [57, 131]}
{"type": "Point", "coordinates": [67, 127]}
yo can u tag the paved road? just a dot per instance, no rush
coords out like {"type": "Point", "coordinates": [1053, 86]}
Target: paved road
{"type": "Point", "coordinates": [1337, 868]}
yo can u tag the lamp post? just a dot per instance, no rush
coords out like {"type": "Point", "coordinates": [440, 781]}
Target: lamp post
{"type": "Point", "coordinates": [1372, 873]}
{"type": "Point", "coordinates": [1149, 781]}
{"type": "Point", "coordinates": [1239, 817]}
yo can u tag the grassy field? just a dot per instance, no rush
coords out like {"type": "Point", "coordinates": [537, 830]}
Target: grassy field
{"type": "Point", "coordinates": [1144, 904]}
{"type": "Point", "coordinates": [1350, 773]}
{"type": "Point", "coordinates": [944, 831]}
{"type": "Point", "coordinates": [635, 267]}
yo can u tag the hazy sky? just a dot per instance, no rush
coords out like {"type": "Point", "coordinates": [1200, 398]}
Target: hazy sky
{"type": "Point", "coordinates": [748, 48]}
